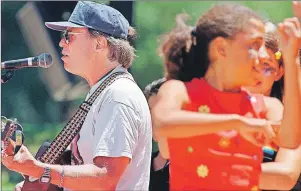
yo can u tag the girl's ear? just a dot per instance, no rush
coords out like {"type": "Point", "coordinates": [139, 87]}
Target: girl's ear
{"type": "Point", "coordinates": [279, 73]}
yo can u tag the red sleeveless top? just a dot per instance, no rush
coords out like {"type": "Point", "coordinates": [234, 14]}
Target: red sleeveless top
{"type": "Point", "coordinates": [221, 161]}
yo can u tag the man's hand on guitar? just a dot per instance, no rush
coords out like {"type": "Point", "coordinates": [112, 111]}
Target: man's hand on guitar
{"type": "Point", "coordinates": [12, 136]}
{"type": "Point", "coordinates": [19, 186]}
{"type": "Point", "coordinates": [23, 162]}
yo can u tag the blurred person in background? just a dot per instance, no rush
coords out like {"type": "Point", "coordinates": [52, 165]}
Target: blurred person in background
{"type": "Point", "coordinates": [283, 160]}
{"type": "Point", "coordinates": [216, 147]}
{"type": "Point", "coordinates": [288, 161]}
{"type": "Point", "coordinates": [113, 149]}
{"type": "Point", "coordinates": [159, 171]}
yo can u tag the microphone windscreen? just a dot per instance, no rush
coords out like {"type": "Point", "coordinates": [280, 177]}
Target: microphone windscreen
{"type": "Point", "coordinates": [45, 60]}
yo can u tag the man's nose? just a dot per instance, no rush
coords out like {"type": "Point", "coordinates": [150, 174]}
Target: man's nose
{"type": "Point", "coordinates": [62, 43]}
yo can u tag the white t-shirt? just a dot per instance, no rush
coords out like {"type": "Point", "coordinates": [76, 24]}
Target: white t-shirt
{"type": "Point", "coordinates": [118, 124]}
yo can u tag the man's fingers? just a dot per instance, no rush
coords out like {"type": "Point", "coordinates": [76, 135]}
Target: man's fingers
{"type": "Point", "coordinates": [19, 186]}
{"type": "Point", "coordinates": [7, 160]}
{"type": "Point", "coordinates": [20, 154]}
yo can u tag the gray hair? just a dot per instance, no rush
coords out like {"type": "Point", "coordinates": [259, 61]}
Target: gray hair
{"type": "Point", "coordinates": [120, 50]}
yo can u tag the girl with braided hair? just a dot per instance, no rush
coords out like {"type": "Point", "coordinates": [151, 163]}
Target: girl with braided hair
{"type": "Point", "coordinates": [159, 172]}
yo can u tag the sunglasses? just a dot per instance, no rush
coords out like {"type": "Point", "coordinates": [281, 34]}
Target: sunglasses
{"type": "Point", "coordinates": [66, 35]}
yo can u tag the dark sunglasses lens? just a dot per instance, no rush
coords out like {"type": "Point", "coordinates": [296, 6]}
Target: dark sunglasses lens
{"type": "Point", "coordinates": [66, 36]}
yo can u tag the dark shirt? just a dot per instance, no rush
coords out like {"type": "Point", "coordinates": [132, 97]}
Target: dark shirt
{"type": "Point", "coordinates": [159, 180]}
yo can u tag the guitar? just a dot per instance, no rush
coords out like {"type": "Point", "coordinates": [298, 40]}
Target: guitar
{"type": "Point", "coordinates": [12, 138]}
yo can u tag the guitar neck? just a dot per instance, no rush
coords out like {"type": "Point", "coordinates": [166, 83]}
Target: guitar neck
{"type": "Point", "coordinates": [63, 139]}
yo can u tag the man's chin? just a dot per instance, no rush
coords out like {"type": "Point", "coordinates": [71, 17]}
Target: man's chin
{"type": "Point", "coordinates": [70, 70]}
{"type": "Point", "coordinates": [67, 68]}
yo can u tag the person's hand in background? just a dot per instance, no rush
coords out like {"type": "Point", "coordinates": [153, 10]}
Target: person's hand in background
{"type": "Point", "coordinates": [297, 9]}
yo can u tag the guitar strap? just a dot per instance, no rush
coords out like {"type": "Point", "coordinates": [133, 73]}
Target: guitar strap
{"type": "Point", "coordinates": [72, 128]}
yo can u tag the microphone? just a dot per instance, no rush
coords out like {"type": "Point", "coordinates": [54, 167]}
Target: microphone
{"type": "Point", "coordinates": [43, 61]}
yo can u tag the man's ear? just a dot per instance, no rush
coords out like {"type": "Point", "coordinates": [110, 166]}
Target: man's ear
{"type": "Point", "coordinates": [101, 43]}
{"type": "Point", "coordinates": [279, 73]}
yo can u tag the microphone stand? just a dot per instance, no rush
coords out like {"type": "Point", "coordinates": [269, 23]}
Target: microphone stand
{"type": "Point", "coordinates": [7, 76]}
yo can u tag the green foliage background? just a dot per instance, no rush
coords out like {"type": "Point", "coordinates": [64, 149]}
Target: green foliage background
{"type": "Point", "coordinates": [26, 96]}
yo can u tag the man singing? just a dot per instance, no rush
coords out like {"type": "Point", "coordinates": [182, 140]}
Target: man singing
{"type": "Point", "coordinates": [113, 148]}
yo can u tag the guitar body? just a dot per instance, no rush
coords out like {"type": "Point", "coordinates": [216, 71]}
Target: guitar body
{"type": "Point", "coordinates": [36, 185]}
